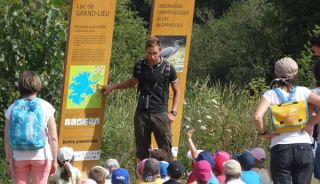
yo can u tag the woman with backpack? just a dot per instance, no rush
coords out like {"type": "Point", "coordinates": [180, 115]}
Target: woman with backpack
{"type": "Point", "coordinates": [31, 141]}
{"type": "Point", "coordinates": [291, 158]}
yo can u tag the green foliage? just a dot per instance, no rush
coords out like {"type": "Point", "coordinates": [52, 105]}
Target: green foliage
{"type": "Point", "coordinates": [305, 62]}
{"type": "Point", "coordinates": [118, 135]}
{"type": "Point", "coordinates": [296, 19]}
{"type": "Point", "coordinates": [128, 40]}
{"type": "Point", "coordinates": [4, 178]}
{"type": "Point", "coordinates": [214, 114]}
{"type": "Point", "coordinates": [237, 47]}
{"type": "Point", "coordinates": [256, 87]}
{"type": "Point", "coordinates": [32, 37]}
{"type": "Point", "coordinates": [205, 9]}
{"type": "Point", "coordinates": [143, 9]}
{"type": "Point", "coordinates": [245, 42]}
{"type": "Point", "coordinates": [305, 73]}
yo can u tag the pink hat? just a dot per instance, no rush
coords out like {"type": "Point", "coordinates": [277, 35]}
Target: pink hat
{"type": "Point", "coordinates": [202, 170]}
{"type": "Point", "coordinates": [220, 157]}
{"type": "Point", "coordinates": [258, 153]}
{"type": "Point", "coordinates": [141, 167]}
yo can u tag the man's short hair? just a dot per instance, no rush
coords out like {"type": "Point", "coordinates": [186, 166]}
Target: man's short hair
{"type": "Point", "coordinates": [315, 39]}
{"type": "Point", "coordinates": [152, 41]}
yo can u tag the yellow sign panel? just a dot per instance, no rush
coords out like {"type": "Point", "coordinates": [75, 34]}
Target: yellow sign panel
{"type": "Point", "coordinates": [91, 25]}
{"type": "Point", "coordinates": [172, 24]}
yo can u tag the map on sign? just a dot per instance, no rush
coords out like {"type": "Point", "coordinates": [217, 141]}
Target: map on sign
{"type": "Point", "coordinates": [83, 86]}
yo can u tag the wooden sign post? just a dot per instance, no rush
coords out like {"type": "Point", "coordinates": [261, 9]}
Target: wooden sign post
{"type": "Point", "coordinates": [87, 62]}
{"type": "Point", "coordinates": [172, 24]}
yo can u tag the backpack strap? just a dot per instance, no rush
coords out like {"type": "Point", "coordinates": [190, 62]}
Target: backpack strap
{"type": "Point", "coordinates": [167, 71]}
{"type": "Point", "coordinates": [166, 68]}
{"type": "Point", "coordinates": [139, 67]}
{"type": "Point", "coordinates": [283, 99]}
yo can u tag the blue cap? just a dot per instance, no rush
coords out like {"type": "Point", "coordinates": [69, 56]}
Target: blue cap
{"type": "Point", "coordinates": [206, 155]}
{"type": "Point", "coordinates": [120, 175]}
{"type": "Point", "coordinates": [246, 160]}
{"type": "Point", "coordinates": [163, 168]}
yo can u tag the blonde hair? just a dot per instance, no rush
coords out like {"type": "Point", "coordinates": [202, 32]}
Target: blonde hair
{"type": "Point", "coordinates": [98, 174]}
{"type": "Point", "coordinates": [29, 83]}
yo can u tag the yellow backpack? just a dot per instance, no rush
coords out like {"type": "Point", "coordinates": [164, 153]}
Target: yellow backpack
{"type": "Point", "coordinates": [289, 115]}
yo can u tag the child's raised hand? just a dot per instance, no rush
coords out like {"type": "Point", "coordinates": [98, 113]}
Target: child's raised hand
{"type": "Point", "coordinates": [189, 133]}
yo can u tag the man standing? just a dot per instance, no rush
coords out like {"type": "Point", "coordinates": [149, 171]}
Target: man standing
{"type": "Point", "coordinates": [315, 47]}
{"type": "Point", "coordinates": [153, 75]}
{"type": "Point", "coordinates": [315, 44]}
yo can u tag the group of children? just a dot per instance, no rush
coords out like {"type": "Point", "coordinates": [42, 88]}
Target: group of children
{"type": "Point", "coordinates": [223, 168]}
{"type": "Point", "coordinates": [207, 168]}
{"type": "Point", "coordinates": [68, 174]}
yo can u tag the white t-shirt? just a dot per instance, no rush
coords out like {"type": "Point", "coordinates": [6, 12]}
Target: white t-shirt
{"type": "Point", "coordinates": [40, 154]}
{"type": "Point", "coordinates": [302, 93]}
{"type": "Point", "coordinates": [235, 181]}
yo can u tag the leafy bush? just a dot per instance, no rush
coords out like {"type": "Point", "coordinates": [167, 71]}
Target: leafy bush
{"type": "Point", "coordinates": [32, 37]}
{"type": "Point", "coordinates": [237, 47]}
{"type": "Point", "coordinates": [305, 62]}
{"type": "Point", "coordinates": [128, 40]}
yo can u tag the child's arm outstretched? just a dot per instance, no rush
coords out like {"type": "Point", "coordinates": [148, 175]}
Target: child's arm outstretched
{"type": "Point", "coordinates": [191, 146]}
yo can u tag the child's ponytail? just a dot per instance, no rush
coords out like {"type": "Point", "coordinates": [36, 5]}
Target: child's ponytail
{"type": "Point", "coordinates": [65, 172]}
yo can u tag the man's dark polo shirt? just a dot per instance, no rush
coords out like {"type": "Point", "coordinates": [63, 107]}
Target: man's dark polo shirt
{"type": "Point", "coordinates": [148, 77]}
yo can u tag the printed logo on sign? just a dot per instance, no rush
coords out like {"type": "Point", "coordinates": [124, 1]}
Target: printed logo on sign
{"type": "Point", "coordinates": [81, 121]}
{"type": "Point", "coordinates": [174, 151]}
{"type": "Point", "coordinates": [87, 155]}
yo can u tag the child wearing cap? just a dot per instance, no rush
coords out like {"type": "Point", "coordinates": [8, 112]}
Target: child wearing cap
{"type": "Point", "coordinates": [175, 171]}
{"type": "Point", "coordinates": [199, 156]}
{"type": "Point", "coordinates": [202, 172]}
{"type": "Point", "coordinates": [151, 172]}
{"type": "Point", "coordinates": [247, 161]}
{"type": "Point", "coordinates": [140, 167]}
{"type": "Point", "coordinates": [111, 165]}
{"type": "Point", "coordinates": [232, 171]}
{"type": "Point", "coordinates": [66, 173]}
{"type": "Point", "coordinates": [120, 176]}
{"type": "Point", "coordinates": [220, 157]}
{"type": "Point", "coordinates": [260, 156]}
